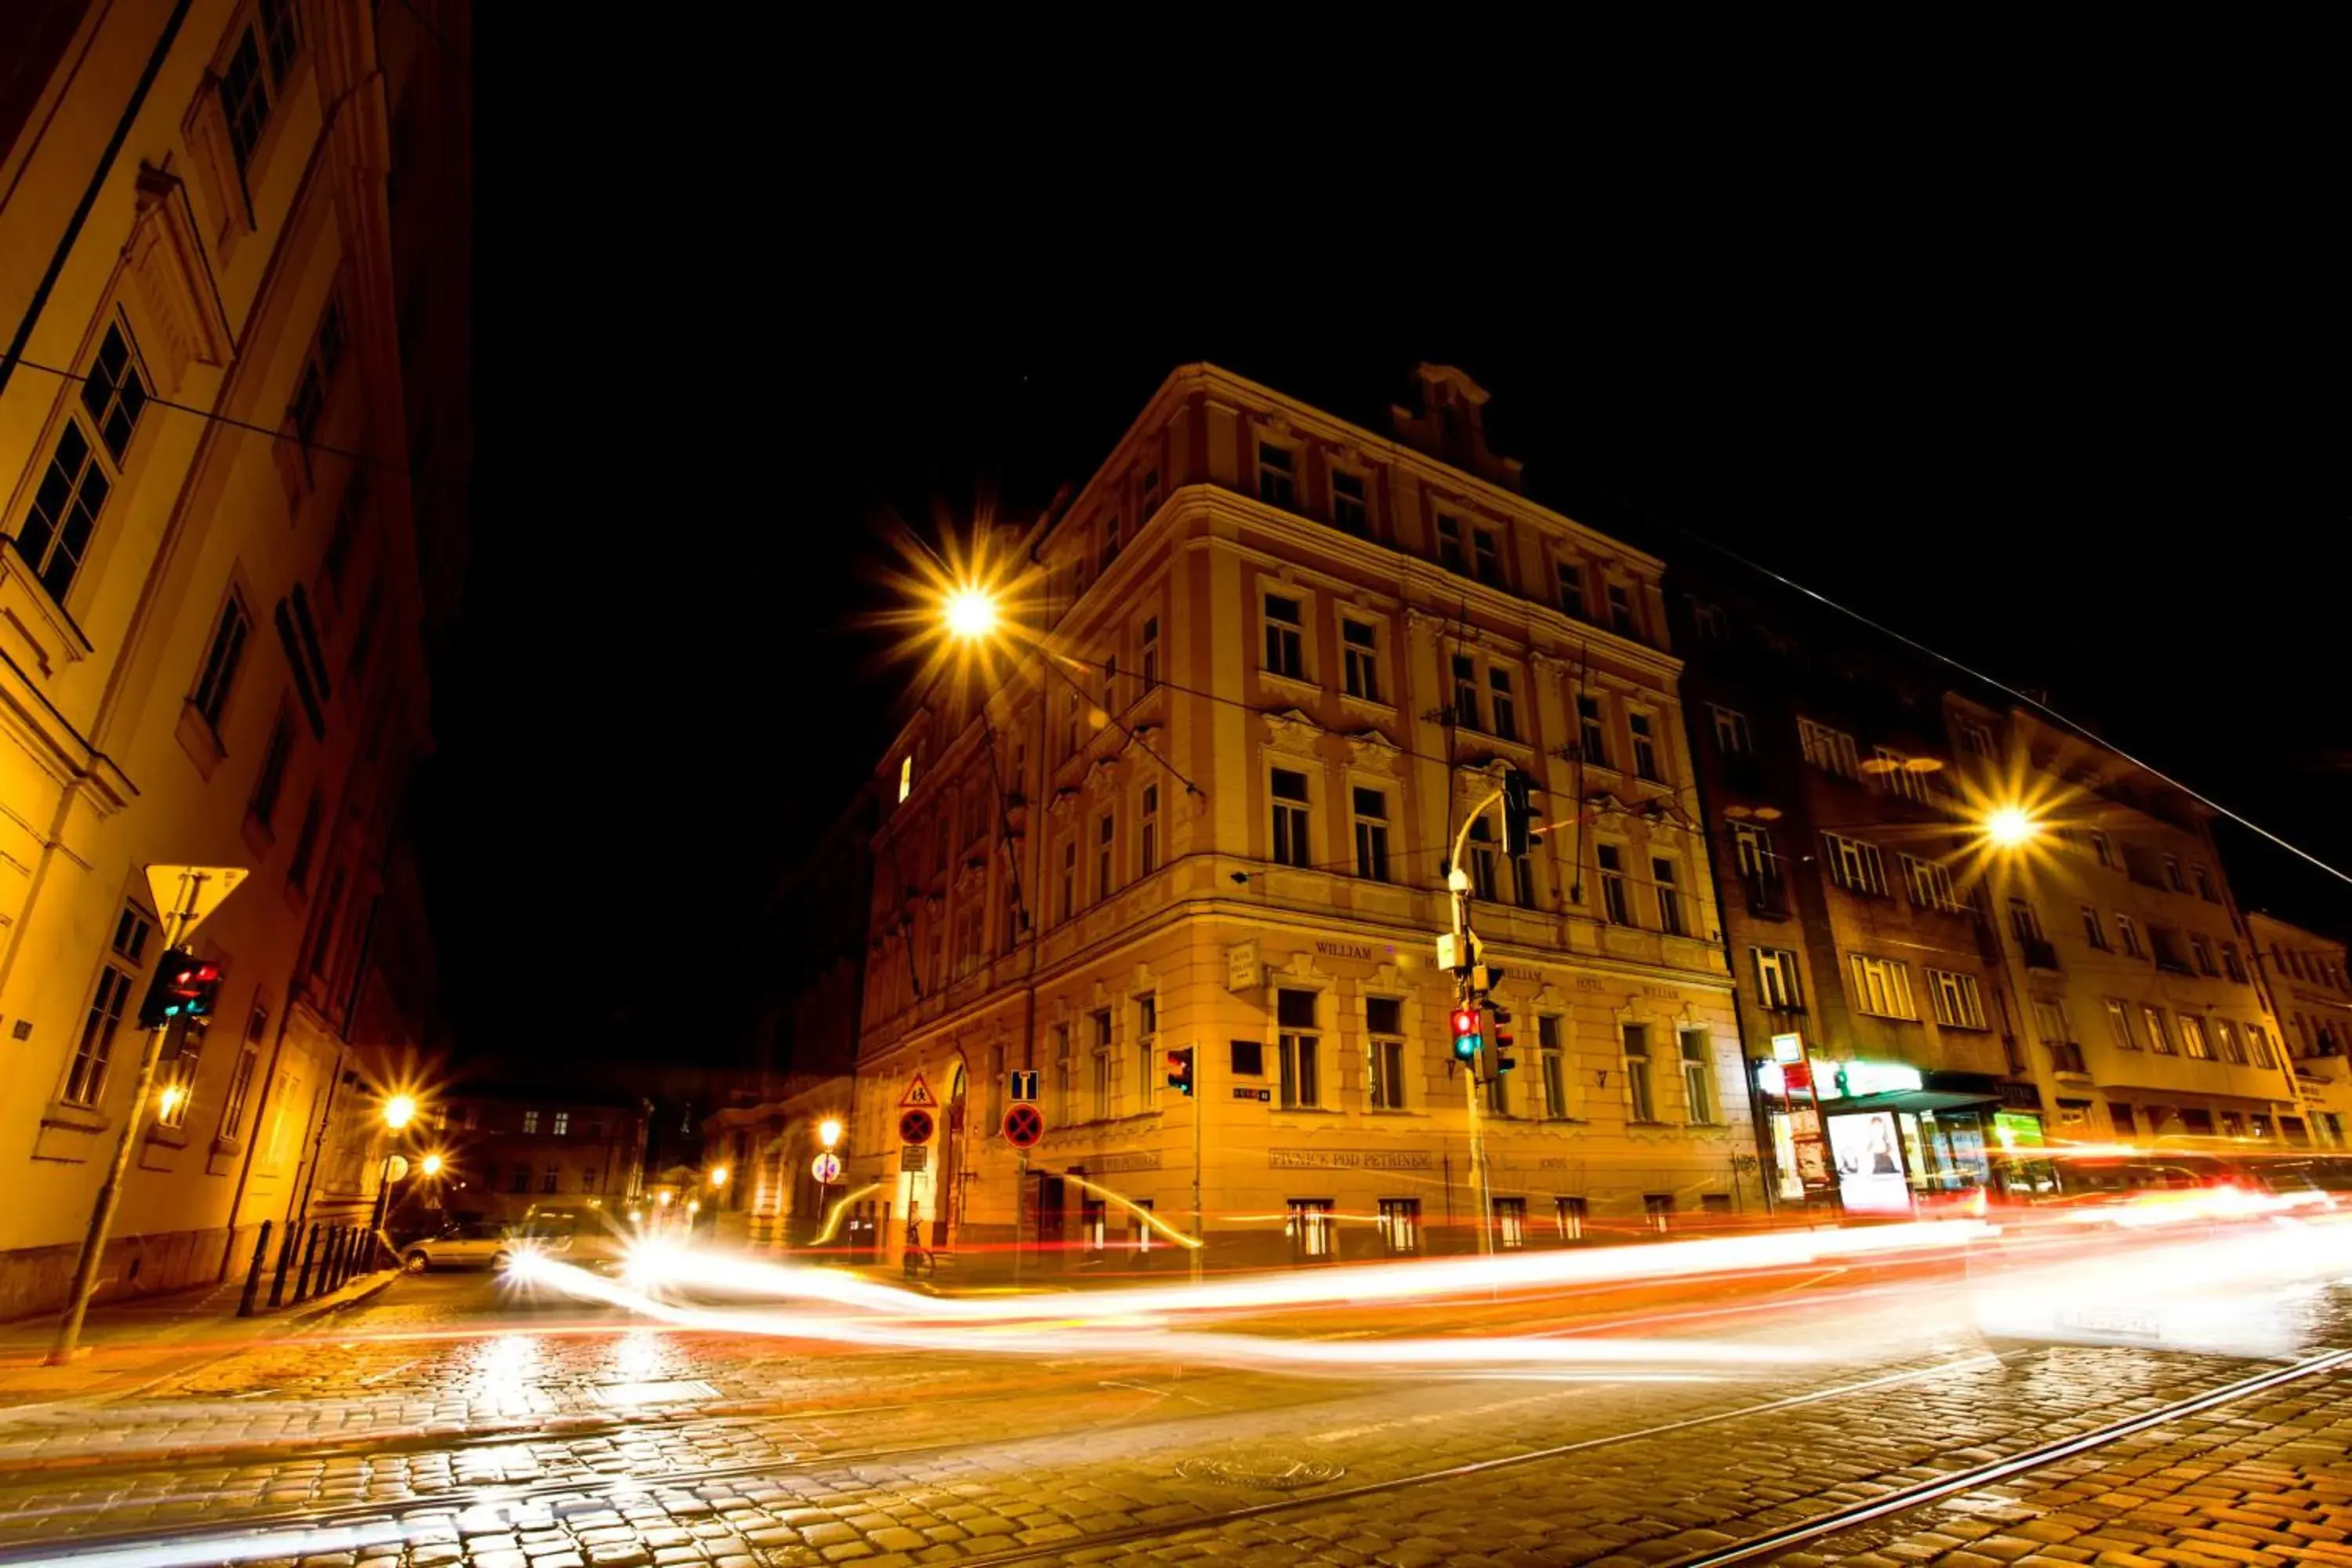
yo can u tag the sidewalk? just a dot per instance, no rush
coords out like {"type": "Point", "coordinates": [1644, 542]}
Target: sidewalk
{"type": "Point", "coordinates": [129, 1345]}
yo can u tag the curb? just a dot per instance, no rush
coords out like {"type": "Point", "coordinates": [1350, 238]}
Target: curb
{"type": "Point", "coordinates": [351, 1295]}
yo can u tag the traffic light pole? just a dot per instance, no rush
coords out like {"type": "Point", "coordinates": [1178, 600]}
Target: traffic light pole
{"type": "Point", "coordinates": [1200, 1109]}
{"type": "Point", "coordinates": [1457, 883]}
{"type": "Point", "coordinates": [110, 1196]}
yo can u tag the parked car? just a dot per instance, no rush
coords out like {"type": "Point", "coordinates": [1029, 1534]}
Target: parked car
{"type": "Point", "coordinates": [478, 1244]}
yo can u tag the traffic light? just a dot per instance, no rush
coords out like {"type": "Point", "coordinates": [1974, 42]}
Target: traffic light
{"type": "Point", "coordinates": [185, 986]}
{"type": "Point", "coordinates": [1466, 1043]}
{"type": "Point", "coordinates": [1179, 1070]}
{"type": "Point", "coordinates": [1504, 1039]}
{"type": "Point", "coordinates": [1518, 813]}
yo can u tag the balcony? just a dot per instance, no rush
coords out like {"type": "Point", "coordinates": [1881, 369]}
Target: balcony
{"type": "Point", "coordinates": [2039, 952]}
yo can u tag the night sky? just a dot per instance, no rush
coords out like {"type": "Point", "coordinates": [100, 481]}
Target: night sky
{"type": "Point", "coordinates": [2031, 427]}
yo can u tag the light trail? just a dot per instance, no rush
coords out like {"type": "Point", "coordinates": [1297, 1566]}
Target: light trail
{"type": "Point", "coordinates": [1145, 1214]}
{"type": "Point", "coordinates": [841, 1206]}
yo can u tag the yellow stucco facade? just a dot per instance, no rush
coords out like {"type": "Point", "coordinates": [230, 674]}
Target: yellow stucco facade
{"type": "Point", "coordinates": [2309, 988]}
{"type": "Point", "coordinates": [1282, 656]}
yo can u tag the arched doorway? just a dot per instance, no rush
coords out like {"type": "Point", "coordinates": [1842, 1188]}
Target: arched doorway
{"type": "Point", "coordinates": [950, 1202]}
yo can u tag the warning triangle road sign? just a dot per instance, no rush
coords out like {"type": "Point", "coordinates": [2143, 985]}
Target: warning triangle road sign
{"type": "Point", "coordinates": [918, 1093]}
{"type": "Point", "coordinates": [184, 895]}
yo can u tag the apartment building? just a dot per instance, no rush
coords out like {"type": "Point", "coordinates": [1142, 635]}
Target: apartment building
{"type": "Point", "coordinates": [513, 1152]}
{"type": "Point", "coordinates": [2309, 988]}
{"type": "Point", "coordinates": [222, 542]}
{"type": "Point", "coordinates": [1200, 799]}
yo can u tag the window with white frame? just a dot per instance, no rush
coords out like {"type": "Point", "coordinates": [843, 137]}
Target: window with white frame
{"type": "Point", "coordinates": [84, 464]}
{"type": "Point", "coordinates": [1854, 864]}
{"type": "Point", "coordinates": [1592, 734]}
{"type": "Point", "coordinates": [1297, 1049]}
{"type": "Point", "coordinates": [1290, 826]}
{"type": "Point", "coordinates": [2231, 964]}
{"type": "Point", "coordinates": [2050, 1021]}
{"type": "Point", "coordinates": [2094, 930]}
{"type": "Point", "coordinates": [1751, 852]}
{"type": "Point", "coordinates": [1284, 651]}
{"type": "Point", "coordinates": [1347, 510]}
{"type": "Point", "coordinates": [530, 1123]}
{"type": "Point", "coordinates": [1277, 483]}
{"type": "Point", "coordinates": [2172, 878]}
{"type": "Point", "coordinates": [1385, 1052]}
{"type": "Point", "coordinates": [240, 1081]}
{"type": "Point", "coordinates": [1706, 620]}
{"type": "Point", "coordinates": [1314, 1234]}
{"type": "Point", "coordinates": [2158, 1039]}
{"type": "Point", "coordinates": [2119, 1023]}
{"type": "Point", "coordinates": [1401, 1227]}
{"type": "Point", "coordinates": [2203, 876]}
{"type": "Point", "coordinates": [1831, 751]}
{"type": "Point", "coordinates": [1930, 885]}
{"type": "Point", "coordinates": [1569, 1213]}
{"type": "Point", "coordinates": [2225, 1040]}
{"type": "Point", "coordinates": [1614, 902]}
{"type": "Point", "coordinates": [1449, 543]}
{"type": "Point", "coordinates": [2103, 848]}
{"type": "Point", "coordinates": [2129, 933]}
{"type": "Point", "coordinates": [1698, 1079]}
{"type": "Point", "coordinates": [1645, 748]}
{"type": "Point", "coordinates": [1892, 771]}
{"type": "Point", "coordinates": [1523, 881]}
{"type": "Point", "coordinates": [1359, 655]}
{"type": "Point", "coordinates": [2192, 1037]}
{"type": "Point", "coordinates": [1465, 692]}
{"type": "Point", "coordinates": [563, 1123]}
{"type": "Point", "coordinates": [1670, 897]}
{"type": "Point", "coordinates": [2258, 1045]}
{"type": "Point", "coordinates": [1146, 832]}
{"type": "Point", "coordinates": [113, 995]}
{"type": "Point", "coordinates": [1510, 1224]}
{"type": "Point", "coordinates": [1775, 978]}
{"type": "Point", "coordinates": [1641, 1097]}
{"type": "Point", "coordinates": [1956, 999]}
{"type": "Point", "coordinates": [2202, 952]}
{"type": "Point", "coordinates": [1501, 703]}
{"type": "Point", "coordinates": [1730, 727]}
{"type": "Point", "coordinates": [1882, 986]}
{"type": "Point", "coordinates": [1551, 1059]}
{"type": "Point", "coordinates": [1371, 822]}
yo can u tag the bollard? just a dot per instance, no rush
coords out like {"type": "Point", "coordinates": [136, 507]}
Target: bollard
{"type": "Point", "coordinates": [285, 1260]}
{"type": "Point", "coordinates": [310, 1254]}
{"type": "Point", "coordinates": [339, 1257]}
{"type": "Point", "coordinates": [253, 1275]}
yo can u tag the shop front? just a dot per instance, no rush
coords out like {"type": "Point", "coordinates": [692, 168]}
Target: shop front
{"type": "Point", "coordinates": [1907, 1141]}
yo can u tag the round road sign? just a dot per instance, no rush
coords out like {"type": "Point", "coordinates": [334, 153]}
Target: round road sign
{"type": "Point", "coordinates": [826, 1167]}
{"type": "Point", "coordinates": [1023, 1125]}
{"type": "Point", "coordinates": [915, 1127]}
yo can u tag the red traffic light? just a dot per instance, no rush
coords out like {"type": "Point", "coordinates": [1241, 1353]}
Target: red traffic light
{"type": "Point", "coordinates": [1466, 1021]}
{"type": "Point", "coordinates": [185, 986]}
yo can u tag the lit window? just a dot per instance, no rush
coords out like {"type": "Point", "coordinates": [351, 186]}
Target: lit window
{"type": "Point", "coordinates": [1854, 866]}
{"type": "Point", "coordinates": [563, 1123]}
{"type": "Point", "coordinates": [529, 1123]}
{"type": "Point", "coordinates": [2119, 1023]}
{"type": "Point", "coordinates": [1775, 978]}
{"type": "Point", "coordinates": [1400, 1226]}
{"type": "Point", "coordinates": [1831, 751]}
{"type": "Point", "coordinates": [1882, 986]}
{"type": "Point", "coordinates": [1312, 1231]}
{"type": "Point", "coordinates": [1510, 1224]}
{"type": "Point", "coordinates": [1930, 885]}
{"type": "Point", "coordinates": [2158, 1040]}
{"type": "Point", "coordinates": [906, 776]}
{"type": "Point", "coordinates": [2192, 1037]}
{"type": "Point", "coordinates": [1956, 1000]}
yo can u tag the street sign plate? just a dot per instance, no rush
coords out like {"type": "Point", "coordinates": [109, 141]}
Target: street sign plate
{"type": "Point", "coordinates": [1264, 1095]}
{"type": "Point", "coordinates": [1023, 1125]}
{"type": "Point", "coordinates": [190, 893]}
{"type": "Point", "coordinates": [918, 1093]}
{"type": "Point", "coordinates": [914, 1157]}
{"type": "Point", "coordinates": [1024, 1086]}
{"type": "Point", "coordinates": [826, 1167]}
{"type": "Point", "coordinates": [915, 1127]}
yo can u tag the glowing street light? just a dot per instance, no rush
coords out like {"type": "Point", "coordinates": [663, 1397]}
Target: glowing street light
{"type": "Point", "coordinates": [829, 1131]}
{"type": "Point", "coordinates": [2010, 828]}
{"type": "Point", "coordinates": [718, 1174]}
{"type": "Point", "coordinates": [399, 1111]}
{"type": "Point", "coordinates": [970, 613]}
{"type": "Point", "coordinates": [170, 1099]}
{"type": "Point", "coordinates": [431, 1165]}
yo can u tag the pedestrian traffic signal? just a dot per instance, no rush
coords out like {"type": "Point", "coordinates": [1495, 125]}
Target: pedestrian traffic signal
{"type": "Point", "coordinates": [1504, 1039]}
{"type": "Point", "coordinates": [1518, 813]}
{"type": "Point", "coordinates": [185, 986]}
{"type": "Point", "coordinates": [1179, 1070]}
{"type": "Point", "coordinates": [1466, 1043]}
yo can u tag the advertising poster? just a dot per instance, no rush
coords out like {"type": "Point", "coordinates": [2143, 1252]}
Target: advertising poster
{"type": "Point", "coordinates": [1869, 1165]}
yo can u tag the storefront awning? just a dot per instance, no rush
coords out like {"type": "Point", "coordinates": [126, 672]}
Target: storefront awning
{"type": "Point", "coordinates": [1908, 1100]}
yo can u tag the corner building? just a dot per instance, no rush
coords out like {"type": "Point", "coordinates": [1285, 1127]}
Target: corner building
{"type": "Point", "coordinates": [1281, 654]}
{"type": "Point", "coordinates": [2309, 986]}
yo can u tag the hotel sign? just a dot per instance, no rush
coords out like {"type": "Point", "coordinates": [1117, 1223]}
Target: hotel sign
{"type": "Point", "coordinates": [1242, 970]}
{"type": "Point", "coordinates": [1344, 949]}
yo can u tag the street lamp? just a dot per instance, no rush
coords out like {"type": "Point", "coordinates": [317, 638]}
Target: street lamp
{"type": "Point", "coordinates": [970, 613]}
{"type": "Point", "coordinates": [829, 1131]}
{"type": "Point", "coordinates": [431, 1165]}
{"type": "Point", "coordinates": [2010, 828]}
{"type": "Point", "coordinates": [718, 1174]}
{"type": "Point", "coordinates": [398, 1112]}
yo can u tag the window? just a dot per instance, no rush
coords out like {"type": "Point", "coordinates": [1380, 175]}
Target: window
{"type": "Point", "coordinates": [1975, 739]}
{"type": "Point", "coordinates": [1312, 1232]}
{"type": "Point", "coordinates": [1489, 556]}
{"type": "Point", "coordinates": [1646, 750]}
{"type": "Point", "coordinates": [1621, 612]}
{"type": "Point", "coordinates": [563, 1123]}
{"type": "Point", "coordinates": [1892, 772]}
{"type": "Point", "coordinates": [2119, 1023]}
{"type": "Point", "coordinates": [1955, 999]}
{"type": "Point", "coordinates": [1385, 1032]}
{"type": "Point", "coordinates": [1111, 539]}
{"type": "Point", "coordinates": [1465, 692]}
{"type": "Point", "coordinates": [552, 1179]}
{"type": "Point", "coordinates": [1854, 866]}
{"type": "Point", "coordinates": [1510, 1224]}
{"type": "Point", "coordinates": [522, 1183]}
{"type": "Point", "coordinates": [1613, 884]}
{"type": "Point", "coordinates": [1930, 885]}
{"type": "Point", "coordinates": [2104, 849]}
{"type": "Point", "coordinates": [1523, 881]}
{"type": "Point", "coordinates": [1552, 1061]}
{"type": "Point", "coordinates": [1670, 897]}
{"type": "Point", "coordinates": [1296, 1048]}
{"type": "Point", "coordinates": [1482, 860]}
{"type": "Point", "coordinates": [2158, 1041]}
{"type": "Point", "coordinates": [2094, 932]}
{"type": "Point", "coordinates": [1151, 660]}
{"type": "Point", "coordinates": [1706, 620]}
{"type": "Point", "coordinates": [2202, 951]}
{"type": "Point", "coordinates": [1105, 1079]}
{"type": "Point", "coordinates": [2057, 1035]}
{"type": "Point", "coordinates": [1284, 653]}
{"type": "Point", "coordinates": [1698, 1084]}
{"type": "Point", "coordinates": [118, 976]}
{"type": "Point", "coordinates": [1069, 879]}
{"type": "Point", "coordinates": [1147, 496]}
{"type": "Point", "coordinates": [1449, 542]}
{"type": "Point", "coordinates": [1751, 848]}
{"type": "Point", "coordinates": [1146, 832]}
{"type": "Point", "coordinates": [1731, 738]}
{"type": "Point", "coordinates": [1276, 483]}
{"type": "Point", "coordinates": [1498, 1094]}
{"type": "Point", "coordinates": [1400, 1226]}
{"type": "Point", "coordinates": [256, 70]}
{"type": "Point", "coordinates": [1775, 978]}
{"type": "Point", "coordinates": [2203, 876]}
{"type": "Point", "coordinates": [1641, 1104]}
{"type": "Point", "coordinates": [1348, 511]}
{"type": "Point", "coordinates": [529, 1123]}
{"type": "Point", "coordinates": [587, 1178]}
{"type": "Point", "coordinates": [906, 776]}
{"type": "Point", "coordinates": [1882, 986]}
{"type": "Point", "coordinates": [270, 782]}
{"type": "Point", "coordinates": [1359, 652]}
{"type": "Point", "coordinates": [1105, 840]}
{"type": "Point", "coordinates": [1372, 833]}
{"type": "Point", "coordinates": [240, 1077]}
{"type": "Point", "coordinates": [1571, 590]}
{"type": "Point", "coordinates": [1658, 1211]}
{"type": "Point", "coordinates": [2192, 1037]}
{"type": "Point", "coordinates": [74, 487]}
{"type": "Point", "coordinates": [1246, 1058]}
{"type": "Point", "coordinates": [1569, 1214]}
{"type": "Point", "coordinates": [1151, 1067]}
{"type": "Point", "coordinates": [2225, 1040]}
{"type": "Point", "coordinates": [1506, 711]}
{"type": "Point", "coordinates": [2130, 935]}
{"type": "Point", "coordinates": [1593, 739]}
{"type": "Point", "coordinates": [2231, 964]}
{"type": "Point", "coordinates": [1831, 751]}
{"type": "Point", "coordinates": [2259, 1045]}
{"type": "Point", "coordinates": [2172, 874]}
{"type": "Point", "coordinates": [1290, 846]}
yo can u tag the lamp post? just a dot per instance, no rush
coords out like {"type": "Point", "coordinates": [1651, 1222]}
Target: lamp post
{"type": "Point", "coordinates": [398, 1112]}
